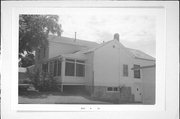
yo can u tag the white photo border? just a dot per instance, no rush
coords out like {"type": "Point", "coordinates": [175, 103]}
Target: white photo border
{"type": "Point", "coordinates": [10, 47]}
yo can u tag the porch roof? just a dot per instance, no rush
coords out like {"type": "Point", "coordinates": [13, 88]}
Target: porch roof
{"type": "Point", "coordinates": [76, 55]}
{"type": "Point", "coordinates": [143, 67]}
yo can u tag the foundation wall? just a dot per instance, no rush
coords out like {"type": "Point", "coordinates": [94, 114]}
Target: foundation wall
{"type": "Point", "coordinates": [123, 95]}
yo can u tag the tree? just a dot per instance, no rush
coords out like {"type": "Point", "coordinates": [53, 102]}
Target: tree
{"type": "Point", "coordinates": [27, 60]}
{"type": "Point", "coordinates": [34, 31]}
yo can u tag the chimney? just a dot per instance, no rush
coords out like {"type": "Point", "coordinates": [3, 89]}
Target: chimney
{"type": "Point", "coordinates": [116, 36]}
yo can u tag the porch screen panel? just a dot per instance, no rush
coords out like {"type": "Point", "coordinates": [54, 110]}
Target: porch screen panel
{"type": "Point", "coordinates": [45, 67]}
{"type": "Point", "coordinates": [137, 71]}
{"type": "Point", "coordinates": [55, 68]}
{"type": "Point", "coordinates": [80, 68]}
{"type": "Point", "coordinates": [44, 52]}
{"type": "Point", "coordinates": [59, 68]}
{"type": "Point", "coordinates": [70, 67]}
{"type": "Point", "coordinates": [51, 68]}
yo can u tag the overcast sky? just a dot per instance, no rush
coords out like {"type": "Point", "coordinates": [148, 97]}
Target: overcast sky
{"type": "Point", "coordinates": [98, 25]}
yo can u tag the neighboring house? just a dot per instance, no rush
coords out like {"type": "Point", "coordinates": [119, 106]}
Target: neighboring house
{"type": "Point", "coordinates": [108, 71]}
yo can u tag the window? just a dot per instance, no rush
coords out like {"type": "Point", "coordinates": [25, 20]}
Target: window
{"type": "Point", "coordinates": [75, 68]}
{"type": "Point", "coordinates": [112, 89]}
{"type": "Point", "coordinates": [80, 68]}
{"type": "Point", "coordinates": [51, 67]}
{"type": "Point", "coordinates": [45, 67]}
{"type": "Point", "coordinates": [125, 70]}
{"type": "Point", "coordinates": [55, 68]}
{"type": "Point", "coordinates": [44, 53]}
{"type": "Point", "coordinates": [70, 67]}
{"type": "Point", "coordinates": [115, 89]}
{"type": "Point", "coordinates": [59, 68]}
{"type": "Point", "coordinates": [137, 71]}
{"type": "Point", "coordinates": [109, 89]}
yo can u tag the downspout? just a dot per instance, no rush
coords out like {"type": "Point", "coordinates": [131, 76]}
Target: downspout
{"type": "Point", "coordinates": [93, 74]}
{"type": "Point", "coordinates": [119, 68]}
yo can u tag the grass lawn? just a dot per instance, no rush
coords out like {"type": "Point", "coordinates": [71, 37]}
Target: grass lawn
{"type": "Point", "coordinates": [56, 98]}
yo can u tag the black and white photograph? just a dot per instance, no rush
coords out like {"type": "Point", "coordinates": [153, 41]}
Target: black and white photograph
{"type": "Point", "coordinates": [87, 56]}
{"type": "Point", "coordinates": [92, 59]}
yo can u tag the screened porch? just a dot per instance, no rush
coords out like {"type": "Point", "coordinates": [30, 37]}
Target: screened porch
{"type": "Point", "coordinates": [67, 70]}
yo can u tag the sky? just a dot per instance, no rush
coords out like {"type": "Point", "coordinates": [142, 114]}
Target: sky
{"type": "Point", "coordinates": [137, 31]}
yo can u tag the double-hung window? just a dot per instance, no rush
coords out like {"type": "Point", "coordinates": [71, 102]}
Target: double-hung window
{"type": "Point", "coordinates": [137, 73]}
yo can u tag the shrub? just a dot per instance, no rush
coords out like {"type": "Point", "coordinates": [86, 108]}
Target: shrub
{"type": "Point", "coordinates": [43, 81]}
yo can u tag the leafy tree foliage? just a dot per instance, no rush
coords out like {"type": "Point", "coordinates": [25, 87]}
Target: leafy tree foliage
{"type": "Point", "coordinates": [34, 31]}
{"type": "Point", "coordinates": [27, 60]}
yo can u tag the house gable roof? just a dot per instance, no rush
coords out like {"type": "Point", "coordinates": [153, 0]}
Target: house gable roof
{"type": "Point", "coordinates": [71, 41]}
{"type": "Point", "coordinates": [133, 52]}
{"type": "Point", "coordinates": [93, 46]}
{"type": "Point", "coordinates": [141, 55]}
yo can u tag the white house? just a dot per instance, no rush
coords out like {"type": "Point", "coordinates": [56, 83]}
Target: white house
{"type": "Point", "coordinates": [108, 71]}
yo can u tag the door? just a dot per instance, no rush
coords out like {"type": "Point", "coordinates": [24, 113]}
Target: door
{"type": "Point", "coordinates": [138, 92]}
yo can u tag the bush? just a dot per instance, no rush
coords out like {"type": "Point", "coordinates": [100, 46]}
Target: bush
{"type": "Point", "coordinates": [43, 81]}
